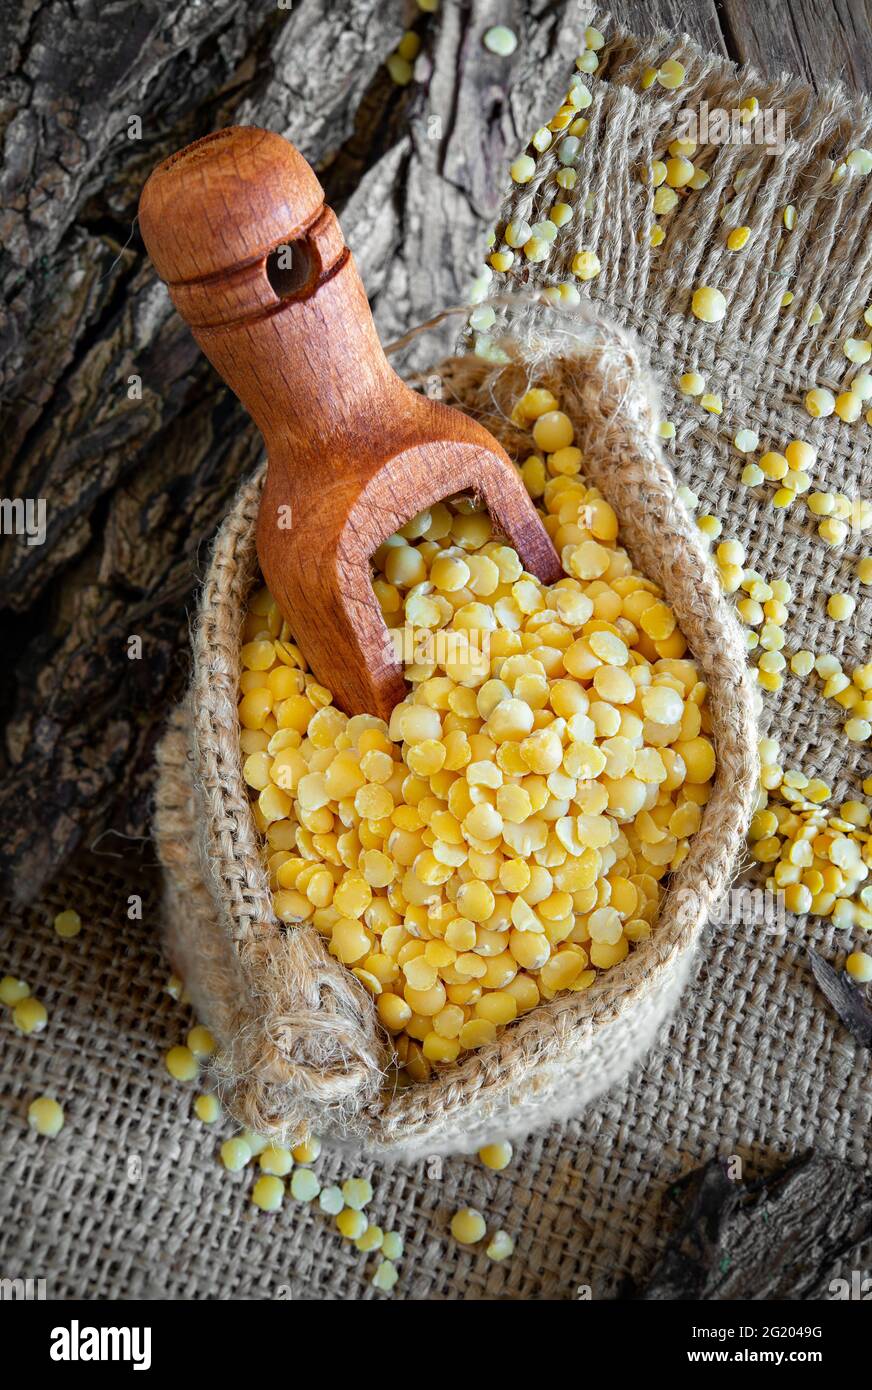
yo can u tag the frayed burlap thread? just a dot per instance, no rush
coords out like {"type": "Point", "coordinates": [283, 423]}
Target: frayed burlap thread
{"type": "Point", "coordinates": [299, 1042]}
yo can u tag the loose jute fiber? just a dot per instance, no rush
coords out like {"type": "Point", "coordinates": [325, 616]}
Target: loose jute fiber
{"type": "Point", "coordinates": [130, 1200]}
{"type": "Point", "coordinates": [299, 1043]}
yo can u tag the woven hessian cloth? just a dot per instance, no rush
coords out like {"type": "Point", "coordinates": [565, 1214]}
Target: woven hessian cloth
{"type": "Point", "coordinates": [129, 1201]}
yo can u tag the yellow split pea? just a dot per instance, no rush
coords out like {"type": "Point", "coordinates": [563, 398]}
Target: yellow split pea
{"type": "Point", "coordinates": [506, 835]}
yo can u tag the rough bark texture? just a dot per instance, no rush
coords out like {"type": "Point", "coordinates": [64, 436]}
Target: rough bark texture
{"type": "Point", "coordinates": [107, 410]}
{"type": "Point", "coordinates": [788, 1236]}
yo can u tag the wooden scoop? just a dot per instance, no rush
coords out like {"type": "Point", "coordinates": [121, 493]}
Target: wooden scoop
{"type": "Point", "coordinates": [237, 227]}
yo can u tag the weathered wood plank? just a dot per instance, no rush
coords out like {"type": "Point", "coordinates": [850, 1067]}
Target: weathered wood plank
{"type": "Point", "coordinates": [820, 40]}
{"type": "Point", "coordinates": [698, 19]}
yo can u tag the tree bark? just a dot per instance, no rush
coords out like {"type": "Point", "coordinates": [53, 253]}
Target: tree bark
{"type": "Point", "coordinates": [792, 1235]}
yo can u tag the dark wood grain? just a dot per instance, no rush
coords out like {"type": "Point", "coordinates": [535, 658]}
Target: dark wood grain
{"type": "Point", "coordinates": [820, 40]}
{"type": "Point", "coordinates": [699, 19]}
{"type": "Point", "coordinates": [797, 1233]}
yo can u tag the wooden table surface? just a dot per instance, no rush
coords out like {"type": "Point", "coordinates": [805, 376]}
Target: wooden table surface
{"type": "Point", "coordinates": [108, 412]}
{"type": "Point", "coordinates": [819, 40]}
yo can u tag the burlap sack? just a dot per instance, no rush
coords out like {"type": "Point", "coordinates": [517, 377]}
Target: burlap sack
{"type": "Point", "coordinates": [300, 1045]}
{"type": "Point", "coordinates": [752, 1062]}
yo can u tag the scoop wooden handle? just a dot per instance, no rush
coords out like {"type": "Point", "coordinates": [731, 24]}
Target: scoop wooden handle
{"type": "Point", "coordinates": [256, 264]}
